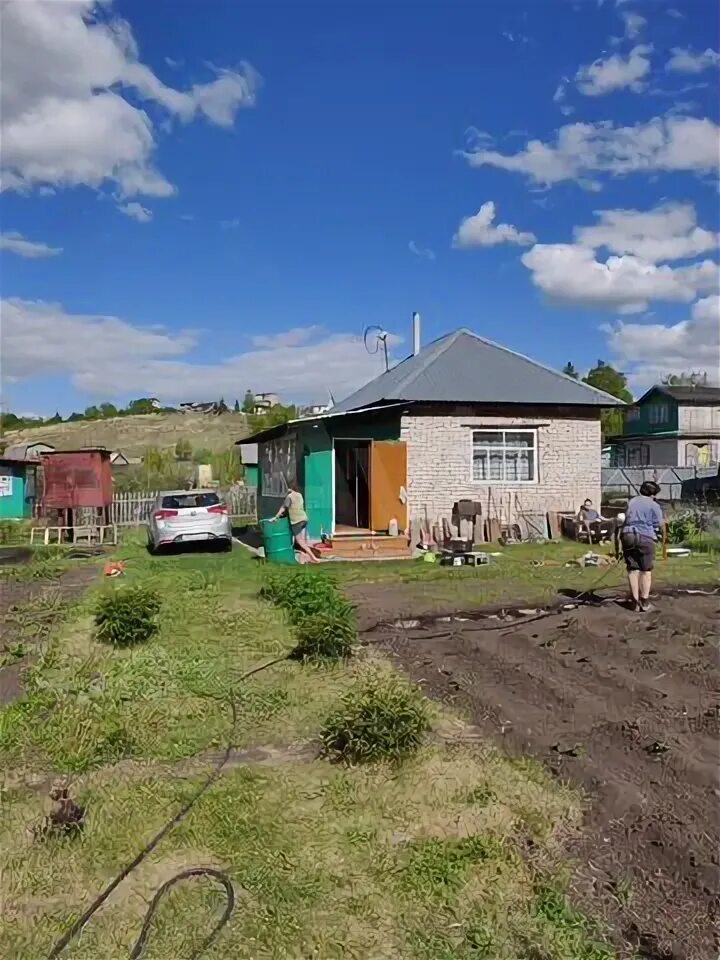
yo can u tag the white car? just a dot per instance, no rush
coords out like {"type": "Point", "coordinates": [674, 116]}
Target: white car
{"type": "Point", "coordinates": [188, 516]}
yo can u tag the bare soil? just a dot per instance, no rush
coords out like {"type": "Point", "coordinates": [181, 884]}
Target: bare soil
{"type": "Point", "coordinates": [624, 705]}
{"type": "Point", "coordinates": [19, 626]}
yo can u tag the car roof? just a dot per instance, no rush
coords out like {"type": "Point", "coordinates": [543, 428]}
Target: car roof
{"type": "Point", "coordinates": [183, 493]}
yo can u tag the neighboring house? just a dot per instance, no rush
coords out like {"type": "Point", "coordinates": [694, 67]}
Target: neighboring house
{"type": "Point", "coordinates": [27, 451]}
{"type": "Point", "coordinates": [264, 401]}
{"type": "Point", "coordinates": [464, 418]}
{"type": "Point", "coordinates": [670, 427]}
{"type": "Point", "coordinates": [315, 410]}
{"type": "Point", "coordinates": [18, 487]}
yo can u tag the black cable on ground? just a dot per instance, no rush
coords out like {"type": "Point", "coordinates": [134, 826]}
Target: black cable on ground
{"type": "Point", "coordinates": [218, 875]}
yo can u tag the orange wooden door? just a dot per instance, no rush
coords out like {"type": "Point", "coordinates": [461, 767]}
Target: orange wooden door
{"type": "Point", "coordinates": [388, 478]}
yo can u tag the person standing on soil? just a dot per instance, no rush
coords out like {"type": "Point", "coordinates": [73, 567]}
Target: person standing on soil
{"type": "Point", "coordinates": [294, 507]}
{"type": "Point", "coordinates": [643, 521]}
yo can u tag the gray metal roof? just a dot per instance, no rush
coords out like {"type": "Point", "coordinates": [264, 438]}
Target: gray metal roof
{"type": "Point", "coordinates": [462, 367]}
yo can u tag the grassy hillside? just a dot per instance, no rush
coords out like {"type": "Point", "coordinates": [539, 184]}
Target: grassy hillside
{"type": "Point", "coordinates": [134, 434]}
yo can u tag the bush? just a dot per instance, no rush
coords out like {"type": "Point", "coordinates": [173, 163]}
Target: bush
{"type": "Point", "coordinates": [303, 594]}
{"type": "Point", "coordinates": [326, 635]}
{"type": "Point", "coordinates": [127, 616]}
{"type": "Point", "coordinates": [381, 719]}
{"type": "Point", "coordinates": [688, 524]}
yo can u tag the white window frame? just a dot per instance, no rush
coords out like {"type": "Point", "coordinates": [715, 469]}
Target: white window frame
{"type": "Point", "coordinates": [659, 413]}
{"type": "Point", "coordinates": [530, 431]}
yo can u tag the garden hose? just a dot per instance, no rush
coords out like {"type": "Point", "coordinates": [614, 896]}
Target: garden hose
{"type": "Point", "coordinates": [219, 875]}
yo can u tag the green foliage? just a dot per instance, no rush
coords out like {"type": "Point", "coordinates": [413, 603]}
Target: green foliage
{"type": "Point", "coordinates": [108, 410]}
{"type": "Point", "coordinates": [248, 402]}
{"type": "Point", "coordinates": [612, 381]}
{"type": "Point", "coordinates": [272, 417]}
{"type": "Point", "coordinates": [436, 867]}
{"type": "Point", "coordinates": [570, 371]}
{"type": "Point", "coordinates": [142, 405]}
{"type": "Point", "coordinates": [92, 413]}
{"type": "Point", "coordinates": [127, 616]}
{"type": "Point", "coordinates": [326, 635]}
{"type": "Point", "coordinates": [382, 718]}
{"type": "Point", "coordinates": [688, 525]}
{"type": "Point", "coordinates": [303, 593]}
{"type": "Point", "coordinates": [183, 449]}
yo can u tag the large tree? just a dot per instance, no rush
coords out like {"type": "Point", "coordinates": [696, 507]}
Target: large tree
{"type": "Point", "coordinates": [605, 377]}
{"type": "Point", "coordinates": [249, 402]}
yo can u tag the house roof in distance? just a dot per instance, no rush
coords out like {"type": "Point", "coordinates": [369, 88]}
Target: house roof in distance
{"type": "Point", "coordinates": [694, 395]}
{"type": "Point", "coordinates": [462, 367]}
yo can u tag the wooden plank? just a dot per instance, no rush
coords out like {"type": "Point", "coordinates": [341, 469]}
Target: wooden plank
{"type": "Point", "coordinates": [388, 477]}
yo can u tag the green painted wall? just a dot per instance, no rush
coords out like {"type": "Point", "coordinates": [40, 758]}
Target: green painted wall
{"type": "Point", "coordinates": [641, 425]}
{"type": "Point", "coordinates": [314, 446]}
{"type": "Point", "coordinates": [252, 475]}
{"type": "Point", "coordinates": [16, 506]}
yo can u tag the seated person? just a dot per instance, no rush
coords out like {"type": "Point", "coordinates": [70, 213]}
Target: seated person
{"type": "Point", "coordinates": [597, 526]}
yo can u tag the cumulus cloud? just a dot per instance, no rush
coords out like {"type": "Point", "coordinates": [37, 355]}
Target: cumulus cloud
{"type": "Point", "coordinates": [112, 358]}
{"type": "Point", "coordinates": [686, 61]}
{"type": "Point", "coordinates": [14, 242]}
{"type": "Point", "coordinates": [669, 232]}
{"type": "Point", "coordinates": [424, 253]}
{"type": "Point", "coordinates": [479, 230]}
{"type": "Point", "coordinates": [66, 121]}
{"type": "Point", "coordinates": [634, 24]}
{"type": "Point", "coordinates": [571, 274]}
{"type": "Point", "coordinates": [136, 210]}
{"type": "Point", "coordinates": [671, 143]}
{"type": "Point", "coordinates": [616, 72]}
{"type": "Point", "coordinates": [648, 351]}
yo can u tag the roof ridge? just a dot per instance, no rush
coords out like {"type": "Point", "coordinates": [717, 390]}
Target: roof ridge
{"type": "Point", "coordinates": [440, 345]}
{"type": "Point", "coordinates": [537, 363]}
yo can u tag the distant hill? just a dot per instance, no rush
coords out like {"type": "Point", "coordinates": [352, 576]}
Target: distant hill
{"type": "Point", "coordinates": [134, 434]}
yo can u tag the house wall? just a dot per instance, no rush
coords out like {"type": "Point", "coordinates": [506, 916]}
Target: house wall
{"type": "Point", "coordinates": [440, 459]}
{"type": "Point", "coordinates": [15, 504]}
{"type": "Point", "coordinates": [646, 452]}
{"type": "Point", "coordinates": [640, 418]}
{"type": "Point", "coordinates": [696, 419]}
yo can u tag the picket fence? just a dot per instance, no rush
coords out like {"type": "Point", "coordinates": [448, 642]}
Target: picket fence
{"type": "Point", "coordinates": [134, 509]}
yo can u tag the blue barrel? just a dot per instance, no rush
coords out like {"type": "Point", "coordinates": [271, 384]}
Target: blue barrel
{"type": "Point", "coordinates": [278, 541]}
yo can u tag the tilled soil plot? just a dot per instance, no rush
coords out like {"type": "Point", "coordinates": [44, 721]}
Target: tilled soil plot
{"type": "Point", "coordinates": [18, 626]}
{"type": "Point", "coordinates": [628, 707]}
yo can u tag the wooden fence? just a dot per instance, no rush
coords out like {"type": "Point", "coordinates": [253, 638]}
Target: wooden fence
{"type": "Point", "coordinates": [134, 509]}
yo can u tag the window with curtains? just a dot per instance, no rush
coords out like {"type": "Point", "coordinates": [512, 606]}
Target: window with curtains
{"type": "Point", "coordinates": [504, 456]}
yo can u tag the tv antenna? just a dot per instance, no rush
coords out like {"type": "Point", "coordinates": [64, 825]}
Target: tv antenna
{"type": "Point", "coordinates": [374, 337]}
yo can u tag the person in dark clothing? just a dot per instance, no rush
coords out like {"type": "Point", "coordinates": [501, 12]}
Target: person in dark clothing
{"type": "Point", "coordinates": [643, 521]}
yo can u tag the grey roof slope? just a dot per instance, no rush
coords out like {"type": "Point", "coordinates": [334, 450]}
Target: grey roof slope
{"type": "Point", "coordinates": [462, 367]}
{"type": "Point", "coordinates": [694, 395]}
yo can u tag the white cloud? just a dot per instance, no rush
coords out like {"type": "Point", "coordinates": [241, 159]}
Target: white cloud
{"type": "Point", "coordinates": [65, 119]}
{"type": "Point", "coordinates": [571, 274]}
{"type": "Point", "coordinates": [669, 232]}
{"type": "Point", "coordinates": [560, 97]}
{"type": "Point", "coordinates": [675, 13]}
{"type": "Point", "coordinates": [14, 242]}
{"type": "Point", "coordinates": [137, 211]}
{"type": "Point", "coordinates": [686, 61]}
{"type": "Point", "coordinates": [616, 72]}
{"type": "Point", "coordinates": [112, 359]}
{"type": "Point", "coordinates": [634, 24]}
{"type": "Point", "coordinates": [662, 144]}
{"type": "Point", "coordinates": [648, 351]}
{"type": "Point", "coordinates": [424, 253]}
{"type": "Point", "coordinates": [480, 231]}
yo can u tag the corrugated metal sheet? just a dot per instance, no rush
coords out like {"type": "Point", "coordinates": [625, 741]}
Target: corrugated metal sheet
{"type": "Point", "coordinates": [465, 368]}
{"type": "Point", "coordinates": [77, 479]}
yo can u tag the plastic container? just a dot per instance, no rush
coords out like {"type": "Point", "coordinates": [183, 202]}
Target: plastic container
{"type": "Point", "coordinates": [278, 541]}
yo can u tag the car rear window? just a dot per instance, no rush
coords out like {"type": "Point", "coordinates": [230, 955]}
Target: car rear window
{"type": "Point", "coordinates": [184, 501]}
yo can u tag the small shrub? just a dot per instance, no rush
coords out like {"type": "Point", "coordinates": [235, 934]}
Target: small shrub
{"type": "Point", "coordinates": [127, 616]}
{"type": "Point", "coordinates": [303, 593]}
{"type": "Point", "coordinates": [326, 635]}
{"type": "Point", "coordinates": [381, 719]}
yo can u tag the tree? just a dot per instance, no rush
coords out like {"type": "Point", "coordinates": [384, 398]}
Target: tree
{"type": "Point", "coordinates": [75, 417]}
{"type": "Point", "coordinates": [56, 419]}
{"type": "Point", "coordinates": [249, 402]}
{"type": "Point", "coordinates": [92, 413]}
{"type": "Point", "coordinates": [142, 405]}
{"type": "Point", "coordinates": [183, 449]}
{"type": "Point", "coordinates": [108, 410]}
{"type": "Point", "coordinates": [570, 371]}
{"type": "Point", "coordinates": [236, 407]}
{"type": "Point", "coordinates": [10, 422]}
{"type": "Point", "coordinates": [272, 417]}
{"type": "Point", "coordinates": [612, 381]}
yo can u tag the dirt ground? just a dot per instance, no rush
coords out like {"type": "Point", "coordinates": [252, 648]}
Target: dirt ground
{"type": "Point", "coordinates": [25, 622]}
{"type": "Point", "coordinates": [625, 706]}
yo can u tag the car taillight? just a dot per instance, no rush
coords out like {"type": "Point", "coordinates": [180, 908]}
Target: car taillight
{"type": "Point", "coordinates": [164, 514]}
{"type": "Point", "coordinates": [220, 508]}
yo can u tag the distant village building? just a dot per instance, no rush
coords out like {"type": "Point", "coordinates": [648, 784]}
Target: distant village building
{"type": "Point", "coordinates": [27, 451]}
{"type": "Point", "coordinates": [264, 401]}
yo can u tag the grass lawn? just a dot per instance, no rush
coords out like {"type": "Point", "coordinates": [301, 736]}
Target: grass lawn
{"type": "Point", "coordinates": [430, 860]}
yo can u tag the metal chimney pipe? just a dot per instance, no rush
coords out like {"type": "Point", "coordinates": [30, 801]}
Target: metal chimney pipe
{"type": "Point", "coordinates": [416, 333]}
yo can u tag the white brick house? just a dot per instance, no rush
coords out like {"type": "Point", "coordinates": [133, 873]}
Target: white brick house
{"type": "Point", "coordinates": [463, 418]}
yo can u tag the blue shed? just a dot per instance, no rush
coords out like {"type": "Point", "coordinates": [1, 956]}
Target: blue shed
{"type": "Point", "coordinates": [18, 488]}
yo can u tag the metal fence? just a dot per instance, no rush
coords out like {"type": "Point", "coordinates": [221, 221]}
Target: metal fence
{"type": "Point", "coordinates": [134, 509]}
{"type": "Point", "coordinates": [676, 483]}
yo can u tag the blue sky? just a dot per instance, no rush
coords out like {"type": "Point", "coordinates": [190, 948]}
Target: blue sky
{"type": "Point", "coordinates": [201, 198]}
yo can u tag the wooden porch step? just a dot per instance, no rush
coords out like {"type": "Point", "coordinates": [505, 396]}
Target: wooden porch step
{"type": "Point", "coordinates": [370, 546]}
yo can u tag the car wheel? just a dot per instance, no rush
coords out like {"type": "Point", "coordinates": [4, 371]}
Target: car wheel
{"type": "Point", "coordinates": [227, 546]}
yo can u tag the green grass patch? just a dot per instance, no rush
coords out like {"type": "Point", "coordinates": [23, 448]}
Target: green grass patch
{"type": "Point", "coordinates": [128, 616]}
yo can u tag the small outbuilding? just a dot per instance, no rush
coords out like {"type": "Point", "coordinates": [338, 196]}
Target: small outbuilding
{"type": "Point", "coordinates": [18, 488]}
{"type": "Point", "coordinates": [78, 486]}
